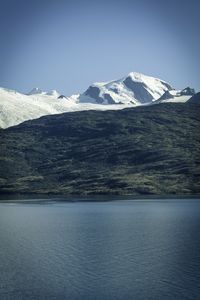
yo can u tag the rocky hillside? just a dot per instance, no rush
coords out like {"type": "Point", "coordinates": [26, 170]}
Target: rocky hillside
{"type": "Point", "coordinates": [144, 150]}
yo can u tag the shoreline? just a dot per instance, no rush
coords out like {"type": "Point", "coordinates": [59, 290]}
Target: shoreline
{"type": "Point", "coordinates": [91, 198]}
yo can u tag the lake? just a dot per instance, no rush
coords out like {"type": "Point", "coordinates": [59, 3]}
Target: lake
{"type": "Point", "coordinates": [146, 249]}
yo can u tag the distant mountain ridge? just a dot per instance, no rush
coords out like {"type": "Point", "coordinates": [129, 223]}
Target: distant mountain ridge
{"type": "Point", "coordinates": [133, 90]}
{"type": "Point", "coordinates": [176, 96]}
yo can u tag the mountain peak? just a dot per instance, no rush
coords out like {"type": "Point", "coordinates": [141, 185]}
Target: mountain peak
{"type": "Point", "coordinates": [140, 77]}
{"type": "Point", "coordinates": [134, 89]}
{"type": "Point", "coordinates": [136, 76]}
{"type": "Point", "coordinates": [188, 91]}
{"type": "Point", "coordinates": [131, 90]}
{"type": "Point", "coordinates": [176, 95]}
{"type": "Point", "coordinates": [35, 91]}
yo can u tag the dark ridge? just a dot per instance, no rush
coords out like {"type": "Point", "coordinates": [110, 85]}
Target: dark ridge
{"type": "Point", "coordinates": [109, 98]}
{"type": "Point", "coordinates": [62, 97]}
{"type": "Point", "coordinates": [94, 92]}
{"type": "Point", "coordinates": [115, 90]}
{"type": "Point", "coordinates": [139, 90]}
{"type": "Point", "coordinates": [165, 96]}
{"type": "Point", "coordinates": [187, 92]}
{"type": "Point", "coordinates": [195, 99]}
{"type": "Point", "coordinates": [150, 150]}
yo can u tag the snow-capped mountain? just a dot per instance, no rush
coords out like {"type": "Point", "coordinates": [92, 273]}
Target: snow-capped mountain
{"type": "Point", "coordinates": [135, 89]}
{"type": "Point", "coordinates": [132, 90]}
{"type": "Point", "coordinates": [176, 96]}
{"type": "Point", "coordinates": [16, 108]}
{"type": "Point", "coordinates": [36, 91]}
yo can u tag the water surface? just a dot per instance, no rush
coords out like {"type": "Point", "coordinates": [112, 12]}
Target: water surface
{"type": "Point", "coordinates": [114, 250]}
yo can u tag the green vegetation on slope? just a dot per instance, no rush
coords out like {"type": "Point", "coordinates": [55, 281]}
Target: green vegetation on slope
{"type": "Point", "coordinates": [145, 150]}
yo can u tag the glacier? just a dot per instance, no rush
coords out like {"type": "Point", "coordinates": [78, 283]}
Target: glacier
{"type": "Point", "coordinates": [130, 91]}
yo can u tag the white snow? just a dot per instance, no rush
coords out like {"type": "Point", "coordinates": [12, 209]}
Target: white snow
{"type": "Point", "coordinates": [177, 99]}
{"type": "Point", "coordinates": [35, 91]}
{"type": "Point", "coordinates": [16, 108]}
{"type": "Point", "coordinates": [155, 86]}
{"type": "Point", "coordinates": [53, 93]}
{"type": "Point", "coordinates": [120, 93]}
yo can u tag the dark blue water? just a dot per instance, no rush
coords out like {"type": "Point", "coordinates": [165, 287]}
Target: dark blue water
{"type": "Point", "coordinates": [114, 250]}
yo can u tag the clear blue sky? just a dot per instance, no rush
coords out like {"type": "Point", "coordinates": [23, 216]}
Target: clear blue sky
{"type": "Point", "coordinates": [67, 45]}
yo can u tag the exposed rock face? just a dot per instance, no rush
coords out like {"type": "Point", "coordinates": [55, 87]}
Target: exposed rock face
{"type": "Point", "coordinates": [176, 96]}
{"type": "Point", "coordinates": [134, 89]}
{"type": "Point", "coordinates": [139, 90]}
{"type": "Point", "coordinates": [187, 92]}
{"type": "Point", "coordinates": [94, 92]}
{"type": "Point", "coordinates": [109, 99]}
{"type": "Point", "coordinates": [62, 97]}
{"type": "Point", "coordinates": [166, 95]}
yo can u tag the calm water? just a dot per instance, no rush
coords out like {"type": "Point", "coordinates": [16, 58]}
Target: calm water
{"type": "Point", "coordinates": [114, 250]}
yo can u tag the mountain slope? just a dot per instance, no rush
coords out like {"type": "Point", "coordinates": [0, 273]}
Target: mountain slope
{"type": "Point", "coordinates": [195, 99]}
{"type": "Point", "coordinates": [133, 90]}
{"type": "Point", "coordinates": [145, 150]}
{"type": "Point", "coordinates": [16, 108]}
{"type": "Point", "coordinates": [176, 96]}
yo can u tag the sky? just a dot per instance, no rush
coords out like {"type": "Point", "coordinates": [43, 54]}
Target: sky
{"type": "Point", "coordinates": [67, 45]}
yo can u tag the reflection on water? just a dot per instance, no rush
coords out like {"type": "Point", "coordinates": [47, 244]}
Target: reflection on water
{"type": "Point", "coordinates": [114, 250]}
